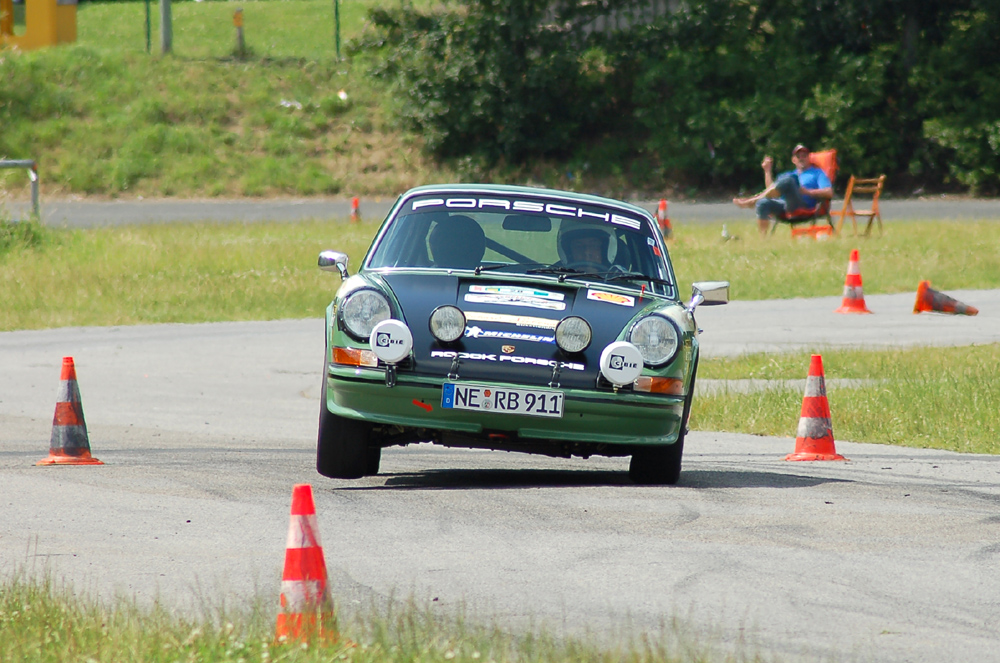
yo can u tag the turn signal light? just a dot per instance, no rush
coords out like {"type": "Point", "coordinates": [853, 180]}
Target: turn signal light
{"type": "Point", "coordinates": [354, 357]}
{"type": "Point", "coordinates": [653, 385]}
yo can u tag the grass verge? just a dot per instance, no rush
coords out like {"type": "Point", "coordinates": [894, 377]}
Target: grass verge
{"type": "Point", "coordinates": [937, 398]}
{"type": "Point", "coordinates": [262, 271]}
{"type": "Point", "coordinates": [41, 622]}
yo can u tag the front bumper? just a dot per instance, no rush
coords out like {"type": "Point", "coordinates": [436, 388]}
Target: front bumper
{"type": "Point", "coordinates": [589, 416]}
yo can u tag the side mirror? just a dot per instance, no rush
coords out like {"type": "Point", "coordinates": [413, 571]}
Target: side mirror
{"type": "Point", "coordinates": [709, 293]}
{"type": "Point", "coordinates": [334, 261]}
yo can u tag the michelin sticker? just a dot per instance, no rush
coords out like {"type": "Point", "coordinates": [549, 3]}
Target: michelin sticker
{"type": "Point", "coordinates": [478, 332]}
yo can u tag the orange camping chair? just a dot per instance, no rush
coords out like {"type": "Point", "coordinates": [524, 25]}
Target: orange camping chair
{"type": "Point", "coordinates": [827, 162]}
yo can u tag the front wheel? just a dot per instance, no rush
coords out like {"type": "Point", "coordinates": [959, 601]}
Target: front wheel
{"type": "Point", "coordinates": [662, 465]}
{"type": "Point", "coordinates": [342, 447]}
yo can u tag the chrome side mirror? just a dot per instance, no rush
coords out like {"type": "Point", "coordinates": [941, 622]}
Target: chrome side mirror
{"type": "Point", "coordinates": [334, 261]}
{"type": "Point", "coordinates": [709, 293]}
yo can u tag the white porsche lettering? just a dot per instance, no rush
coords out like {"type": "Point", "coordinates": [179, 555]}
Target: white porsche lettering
{"type": "Point", "coordinates": [502, 204]}
{"type": "Point", "coordinates": [560, 210]}
{"type": "Point", "coordinates": [429, 202]}
{"type": "Point", "coordinates": [462, 203]}
{"type": "Point", "coordinates": [527, 206]}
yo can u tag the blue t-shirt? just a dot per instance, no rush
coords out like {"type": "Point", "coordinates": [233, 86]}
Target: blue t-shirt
{"type": "Point", "coordinates": [811, 178]}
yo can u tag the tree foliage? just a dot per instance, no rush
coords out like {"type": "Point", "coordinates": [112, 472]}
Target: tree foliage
{"type": "Point", "coordinates": [703, 90]}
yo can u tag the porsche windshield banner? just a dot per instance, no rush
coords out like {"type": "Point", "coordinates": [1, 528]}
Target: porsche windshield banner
{"type": "Point", "coordinates": [547, 208]}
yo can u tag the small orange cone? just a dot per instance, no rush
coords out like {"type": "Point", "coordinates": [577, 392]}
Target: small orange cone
{"type": "Point", "coordinates": [355, 209]}
{"type": "Point", "coordinates": [854, 296]}
{"type": "Point", "coordinates": [70, 444]}
{"type": "Point", "coordinates": [814, 439]}
{"type": "Point", "coordinates": [929, 299]}
{"type": "Point", "coordinates": [663, 220]}
{"type": "Point", "coordinates": [306, 607]}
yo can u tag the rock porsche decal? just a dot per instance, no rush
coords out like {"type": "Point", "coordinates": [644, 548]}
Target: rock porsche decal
{"type": "Point", "coordinates": [513, 359]}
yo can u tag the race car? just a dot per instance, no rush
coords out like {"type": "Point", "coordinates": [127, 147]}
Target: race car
{"type": "Point", "coordinates": [511, 318]}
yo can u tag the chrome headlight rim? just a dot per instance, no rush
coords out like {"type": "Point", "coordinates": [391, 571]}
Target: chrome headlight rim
{"type": "Point", "coordinates": [566, 344]}
{"type": "Point", "coordinates": [655, 361]}
{"type": "Point", "coordinates": [436, 316]}
{"type": "Point", "coordinates": [361, 330]}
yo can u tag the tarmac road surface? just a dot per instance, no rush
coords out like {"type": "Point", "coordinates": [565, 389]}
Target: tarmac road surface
{"type": "Point", "coordinates": [204, 429]}
{"type": "Point", "coordinates": [90, 213]}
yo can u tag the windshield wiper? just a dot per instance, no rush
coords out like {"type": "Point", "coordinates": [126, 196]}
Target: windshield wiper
{"type": "Point", "coordinates": [635, 276]}
{"type": "Point", "coordinates": [501, 265]}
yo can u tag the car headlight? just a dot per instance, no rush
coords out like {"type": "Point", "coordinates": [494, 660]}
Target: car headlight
{"type": "Point", "coordinates": [573, 334]}
{"type": "Point", "coordinates": [447, 323]}
{"type": "Point", "coordinates": [362, 310]}
{"type": "Point", "coordinates": [657, 339]}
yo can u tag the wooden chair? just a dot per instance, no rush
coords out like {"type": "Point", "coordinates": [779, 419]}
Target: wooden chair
{"type": "Point", "coordinates": [867, 187]}
{"type": "Point", "coordinates": [827, 162]}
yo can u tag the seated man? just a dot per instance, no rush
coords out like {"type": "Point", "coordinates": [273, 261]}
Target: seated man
{"type": "Point", "coordinates": [794, 190]}
{"type": "Point", "coordinates": [586, 247]}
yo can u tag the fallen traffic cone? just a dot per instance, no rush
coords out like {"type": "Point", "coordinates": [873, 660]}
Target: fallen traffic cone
{"type": "Point", "coordinates": [70, 444]}
{"type": "Point", "coordinates": [306, 607]}
{"type": "Point", "coordinates": [814, 439]}
{"type": "Point", "coordinates": [929, 299]}
{"type": "Point", "coordinates": [355, 209]}
{"type": "Point", "coordinates": [663, 220]}
{"type": "Point", "coordinates": [854, 296]}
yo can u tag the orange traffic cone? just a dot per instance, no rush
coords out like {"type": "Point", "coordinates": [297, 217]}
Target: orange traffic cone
{"type": "Point", "coordinates": [814, 440]}
{"type": "Point", "coordinates": [70, 444]}
{"type": "Point", "coordinates": [854, 296]}
{"type": "Point", "coordinates": [929, 299]}
{"type": "Point", "coordinates": [355, 209]}
{"type": "Point", "coordinates": [663, 220]}
{"type": "Point", "coordinates": [306, 607]}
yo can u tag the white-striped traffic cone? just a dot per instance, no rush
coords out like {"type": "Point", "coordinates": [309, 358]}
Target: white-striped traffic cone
{"type": "Point", "coordinates": [814, 439]}
{"type": "Point", "coordinates": [854, 295]}
{"type": "Point", "coordinates": [70, 444]}
{"type": "Point", "coordinates": [306, 607]}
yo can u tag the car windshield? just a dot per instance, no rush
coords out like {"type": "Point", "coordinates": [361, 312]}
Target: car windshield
{"type": "Point", "coordinates": [524, 235]}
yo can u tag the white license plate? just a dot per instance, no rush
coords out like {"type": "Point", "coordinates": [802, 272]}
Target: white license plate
{"type": "Point", "coordinates": [501, 400]}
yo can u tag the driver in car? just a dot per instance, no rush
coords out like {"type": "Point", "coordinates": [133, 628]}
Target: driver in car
{"type": "Point", "coordinates": [586, 247]}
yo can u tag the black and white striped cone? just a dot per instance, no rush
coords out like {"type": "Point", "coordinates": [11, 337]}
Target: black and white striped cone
{"type": "Point", "coordinates": [70, 444]}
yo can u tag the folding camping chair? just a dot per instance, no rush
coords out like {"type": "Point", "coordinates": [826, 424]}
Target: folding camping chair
{"type": "Point", "coordinates": [870, 187]}
{"type": "Point", "coordinates": [827, 162]}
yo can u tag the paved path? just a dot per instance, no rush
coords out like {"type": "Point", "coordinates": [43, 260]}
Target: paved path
{"type": "Point", "coordinates": [89, 213]}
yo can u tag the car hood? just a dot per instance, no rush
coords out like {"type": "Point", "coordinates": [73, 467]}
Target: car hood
{"type": "Point", "coordinates": [510, 329]}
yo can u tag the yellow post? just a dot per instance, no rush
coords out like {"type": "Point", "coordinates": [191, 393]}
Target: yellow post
{"type": "Point", "coordinates": [46, 23]}
{"type": "Point", "coordinates": [6, 19]}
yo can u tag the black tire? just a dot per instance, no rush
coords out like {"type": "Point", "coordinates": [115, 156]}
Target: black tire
{"type": "Point", "coordinates": [661, 466]}
{"type": "Point", "coordinates": [342, 450]}
{"type": "Point", "coordinates": [373, 460]}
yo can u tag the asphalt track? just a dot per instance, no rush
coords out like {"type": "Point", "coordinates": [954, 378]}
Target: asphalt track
{"type": "Point", "coordinates": [204, 429]}
{"type": "Point", "coordinates": [91, 213]}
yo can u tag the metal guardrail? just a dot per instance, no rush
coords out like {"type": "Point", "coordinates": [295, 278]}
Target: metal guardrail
{"type": "Point", "coordinates": [32, 174]}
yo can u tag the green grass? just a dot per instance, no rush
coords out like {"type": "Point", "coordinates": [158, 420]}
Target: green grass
{"type": "Point", "coordinates": [41, 622]}
{"type": "Point", "coordinates": [936, 398]}
{"type": "Point", "coordinates": [261, 271]}
{"type": "Point", "coordinates": [103, 118]}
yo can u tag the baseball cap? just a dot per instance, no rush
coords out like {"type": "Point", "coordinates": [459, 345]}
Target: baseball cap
{"type": "Point", "coordinates": [799, 148]}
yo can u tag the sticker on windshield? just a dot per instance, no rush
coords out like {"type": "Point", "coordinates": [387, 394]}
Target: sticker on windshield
{"type": "Point", "coordinates": [611, 298]}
